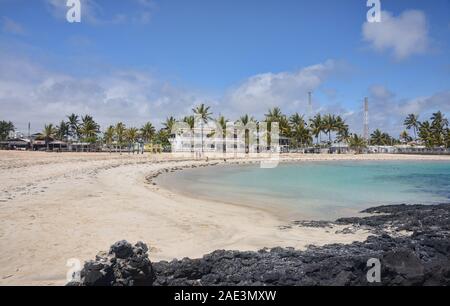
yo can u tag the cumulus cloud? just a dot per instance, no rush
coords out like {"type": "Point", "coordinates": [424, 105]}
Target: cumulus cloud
{"type": "Point", "coordinates": [288, 90]}
{"type": "Point", "coordinates": [387, 111]}
{"type": "Point", "coordinates": [31, 93]}
{"type": "Point", "coordinates": [403, 35]}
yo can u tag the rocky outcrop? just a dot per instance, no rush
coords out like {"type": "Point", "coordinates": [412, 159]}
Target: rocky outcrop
{"type": "Point", "coordinates": [123, 265]}
{"type": "Point", "coordinates": [421, 258]}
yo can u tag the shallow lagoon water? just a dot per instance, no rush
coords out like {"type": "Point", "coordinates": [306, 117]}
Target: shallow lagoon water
{"type": "Point", "coordinates": [323, 190]}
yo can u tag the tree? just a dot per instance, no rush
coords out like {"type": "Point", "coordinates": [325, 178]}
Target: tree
{"type": "Point", "coordinates": [62, 131]}
{"type": "Point", "coordinates": [404, 137]}
{"type": "Point", "coordinates": [301, 135]}
{"type": "Point", "coordinates": [5, 129]}
{"type": "Point", "coordinates": [316, 125]}
{"type": "Point", "coordinates": [168, 124]}
{"type": "Point", "coordinates": [120, 134]}
{"type": "Point", "coordinates": [222, 122]}
{"type": "Point", "coordinates": [48, 133]}
{"type": "Point", "coordinates": [89, 129]}
{"type": "Point", "coordinates": [108, 136]}
{"type": "Point", "coordinates": [426, 134]}
{"type": "Point", "coordinates": [412, 121]}
{"type": "Point", "coordinates": [148, 132]}
{"type": "Point", "coordinates": [275, 115]}
{"type": "Point", "coordinates": [204, 115]}
{"type": "Point", "coordinates": [438, 126]}
{"type": "Point", "coordinates": [377, 138]}
{"type": "Point", "coordinates": [190, 120]}
{"type": "Point", "coordinates": [341, 128]}
{"type": "Point", "coordinates": [357, 143]}
{"type": "Point", "coordinates": [162, 138]}
{"type": "Point", "coordinates": [73, 122]}
{"type": "Point", "coordinates": [131, 135]}
{"type": "Point", "coordinates": [244, 120]}
{"type": "Point", "coordinates": [299, 132]}
{"type": "Point", "coordinates": [447, 138]}
{"type": "Point", "coordinates": [329, 125]}
{"type": "Point", "coordinates": [297, 120]}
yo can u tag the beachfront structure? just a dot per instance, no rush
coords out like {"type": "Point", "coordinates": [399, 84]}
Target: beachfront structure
{"type": "Point", "coordinates": [237, 140]}
{"type": "Point", "coordinates": [15, 144]}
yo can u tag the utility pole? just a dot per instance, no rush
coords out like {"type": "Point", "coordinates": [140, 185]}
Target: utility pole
{"type": "Point", "coordinates": [310, 114]}
{"type": "Point", "coordinates": [366, 119]}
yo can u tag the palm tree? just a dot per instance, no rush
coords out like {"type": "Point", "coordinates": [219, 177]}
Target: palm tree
{"type": "Point", "coordinates": [302, 135]}
{"type": "Point", "coordinates": [405, 136]}
{"type": "Point", "coordinates": [48, 133]}
{"type": "Point", "coordinates": [190, 120]}
{"type": "Point", "coordinates": [316, 126]}
{"type": "Point", "coordinates": [412, 121]}
{"type": "Point", "coordinates": [120, 134]}
{"type": "Point", "coordinates": [73, 125]}
{"type": "Point", "coordinates": [244, 120]}
{"type": "Point", "coordinates": [328, 125]}
{"type": "Point", "coordinates": [298, 128]}
{"type": "Point", "coordinates": [148, 132]}
{"type": "Point", "coordinates": [131, 136]}
{"type": "Point", "coordinates": [297, 120]}
{"type": "Point", "coordinates": [426, 134]}
{"type": "Point", "coordinates": [342, 132]}
{"type": "Point", "coordinates": [62, 131]}
{"type": "Point", "coordinates": [357, 143]}
{"type": "Point", "coordinates": [5, 128]}
{"type": "Point", "coordinates": [222, 122]}
{"type": "Point", "coordinates": [108, 136]}
{"type": "Point", "coordinates": [447, 138]}
{"type": "Point", "coordinates": [168, 124]}
{"type": "Point", "coordinates": [275, 115]}
{"type": "Point", "coordinates": [204, 115]}
{"type": "Point", "coordinates": [377, 138]}
{"type": "Point", "coordinates": [438, 126]}
{"type": "Point", "coordinates": [89, 129]}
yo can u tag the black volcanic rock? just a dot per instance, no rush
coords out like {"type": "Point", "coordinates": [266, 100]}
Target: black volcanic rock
{"type": "Point", "coordinates": [124, 265]}
{"type": "Point", "coordinates": [421, 258]}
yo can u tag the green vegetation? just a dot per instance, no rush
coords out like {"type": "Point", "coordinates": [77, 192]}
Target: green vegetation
{"type": "Point", "coordinates": [302, 133]}
{"type": "Point", "coordinates": [5, 129]}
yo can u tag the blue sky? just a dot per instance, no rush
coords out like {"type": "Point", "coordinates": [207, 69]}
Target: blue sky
{"type": "Point", "coordinates": [142, 60]}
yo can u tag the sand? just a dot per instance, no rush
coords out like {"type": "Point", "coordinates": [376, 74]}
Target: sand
{"type": "Point", "coordinates": [58, 206]}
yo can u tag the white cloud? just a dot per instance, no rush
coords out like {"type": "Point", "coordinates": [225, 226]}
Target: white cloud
{"type": "Point", "coordinates": [11, 26]}
{"type": "Point", "coordinates": [31, 93]}
{"type": "Point", "coordinates": [288, 90]}
{"type": "Point", "coordinates": [387, 112]}
{"type": "Point", "coordinates": [404, 35]}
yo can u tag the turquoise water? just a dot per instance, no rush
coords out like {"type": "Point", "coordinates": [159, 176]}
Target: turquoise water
{"type": "Point", "coordinates": [320, 190]}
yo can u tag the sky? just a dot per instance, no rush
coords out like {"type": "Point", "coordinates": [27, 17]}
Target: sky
{"type": "Point", "coordinates": [143, 60]}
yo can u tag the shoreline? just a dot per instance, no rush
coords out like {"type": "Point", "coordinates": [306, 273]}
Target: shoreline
{"type": "Point", "coordinates": [56, 206]}
{"type": "Point", "coordinates": [161, 180]}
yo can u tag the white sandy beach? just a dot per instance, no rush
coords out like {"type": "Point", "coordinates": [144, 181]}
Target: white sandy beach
{"type": "Point", "coordinates": [57, 206]}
